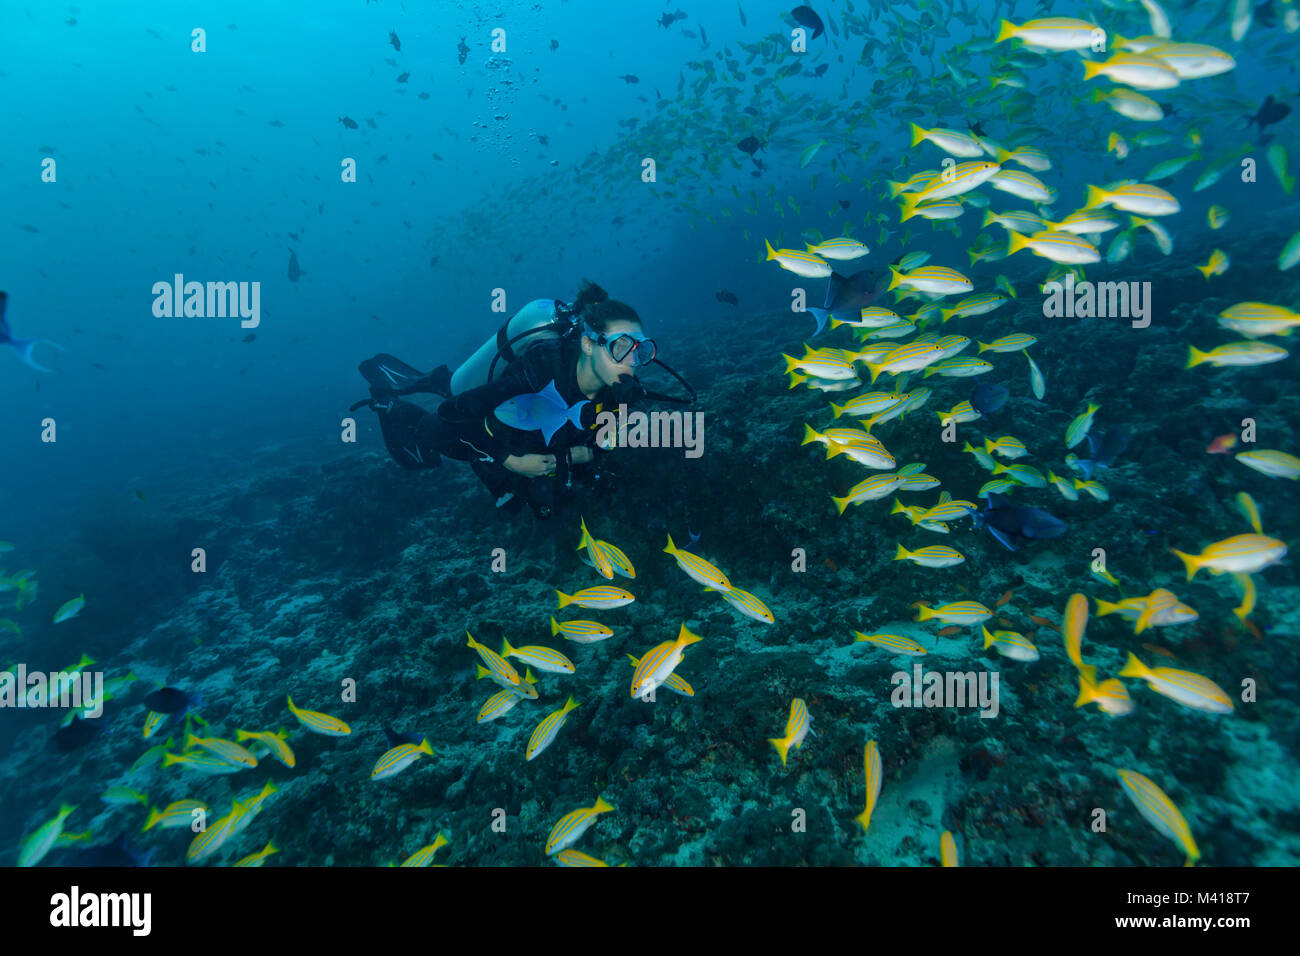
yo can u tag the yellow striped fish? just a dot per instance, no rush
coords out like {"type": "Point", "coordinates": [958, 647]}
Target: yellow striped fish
{"type": "Point", "coordinates": [1241, 554]}
{"type": "Point", "coordinates": [500, 668]}
{"type": "Point", "coordinates": [152, 721]}
{"type": "Point", "coordinates": [600, 597]}
{"type": "Point", "coordinates": [964, 613]}
{"type": "Point", "coordinates": [659, 662]}
{"type": "Point", "coordinates": [258, 858]}
{"type": "Point", "coordinates": [396, 759]}
{"type": "Point", "coordinates": [599, 559]}
{"type": "Point", "coordinates": [1072, 628]}
{"type": "Point", "coordinates": [871, 760]}
{"type": "Point", "coordinates": [582, 632]}
{"type": "Point", "coordinates": [869, 489]}
{"type": "Point", "coordinates": [498, 705]}
{"type": "Point", "coordinates": [1190, 690]}
{"type": "Point", "coordinates": [577, 858]}
{"type": "Point", "coordinates": [1159, 811]}
{"type": "Point", "coordinates": [674, 681]}
{"type": "Point", "coordinates": [797, 726]}
{"type": "Point", "coordinates": [274, 744]}
{"type": "Point", "coordinates": [213, 838]}
{"type": "Point", "coordinates": [1110, 695]}
{"type": "Point", "coordinates": [948, 849]}
{"type": "Point", "coordinates": [697, 567]}
{"type": "Point", "coordinates": [424, 855]}
{"type": "Point", "coordinates": [570, 827]}
{"type": "Point", "coordinates": [226, 750]}
{"type": "Point", "coordinates": [202, 762]}
{"type": "Point", "coordinates": [1010, 644]}
{"type": "Point", "coordinates": [1249, 510]}
{"type": "Point", "coordinates": [178, 814]}
{"type": "Point", "coordinates": [934, 556]}
{"type": "Point", "coordinates": [543, 658]}
{"type": "Point", "coordinates": [1275, 464]}
{"type": "Point", "coordinates": [890, 642]}
{"type": "Point", "coordinates": [746, 603]}
{"type": "Point", "coordinates": [319, 723]}
{"type": "Point", "coordinates": [545, 733]}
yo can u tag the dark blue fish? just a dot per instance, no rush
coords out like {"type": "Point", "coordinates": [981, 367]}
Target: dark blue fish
{"type": "Point", "coordinates": [396, 739]}
{"type": "Point", "coordinates": [694, 537]}
{"type": "Point", "coordinates": [294, 270]}
{"type": "Point", "coordinates": [1005, 520]}
{"type": "Point", "coordinates": [988, 397]}
{"type": "Point", "coordinates": [171, 700]}
{"type": "Point", "coordinates": [807, 17]}
{"type": "Point", "coordinates": [847, 296]}
{"type": "Point", "coordinates": [76, 735]}
{"type": "Point", "coordinates": [117, 853]}
{"type": "Point", "coordinates": [544, 411]}
{"type": "Point", "coordinates": [1104, 452]}
{"type": "Point", "coordinates": [23, 347]}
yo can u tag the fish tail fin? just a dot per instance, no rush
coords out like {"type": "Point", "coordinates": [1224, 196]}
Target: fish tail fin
{"type": "Point", "coordinates": [924, 613]}
{"type": "Point", "coordinates": [1087, 691]}
{"type": "Point", "coordinates": [810, 434]}
{"type": "Point", "coordinates": [1195, 356]}
{"type": "Point", "coordinates": [1105, 607]}
{"type": "Point", "coordinates": [1006, 30]}
{"type": "Point", "coordinates": [796, 378]}
{"type": "Point", "coordinates": [1205, 270]}
{"type": "Point", "coordinates": [1016, 242]}
{"type": "Point", "coordinates": [918, 135]}
{"type": "Point", "coordinates": [1091, 68]}
{"type": "Point", "coordinates": [909, 204]}
{"type": "Point", "coordinates": [1096, 195]}
{"type": "Point", "coordinates": [601, 806]}
{"type": "Point", "coordinates": [555, 628]}
{"type": "Point", "coordinates": [782, 745]}
{"type": "Point", "coordinates": [1133, 667]}
{"type": "Point", "coordinates": [1190, 561]}
{"type": "Point", "coordinates": [671, 548]}
{"type": "Point", "coordinates": [771, 253]}
{"type": "Point", "coordinates": [902, 553]}
{"type": "Point", "coordinates": [840, 503]}
{"type": "Point", "coordinates": [791, 363]}
{"type": "Point", "coordinates": [563, 600]}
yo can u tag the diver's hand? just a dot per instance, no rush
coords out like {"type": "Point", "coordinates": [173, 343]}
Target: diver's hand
{"type": "Point", "coordinates": [625, 391]}
{"type": "Point", "coordinates": [531, 466]}
{"type": "Point", "coordinates": [581, 455]}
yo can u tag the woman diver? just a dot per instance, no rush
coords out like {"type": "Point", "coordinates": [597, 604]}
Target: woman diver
{"type": "Point", "coordinates": [590, 350]}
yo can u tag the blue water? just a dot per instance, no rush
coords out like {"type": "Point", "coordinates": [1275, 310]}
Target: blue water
{"type": "Point", "coordinates": [175, 433]}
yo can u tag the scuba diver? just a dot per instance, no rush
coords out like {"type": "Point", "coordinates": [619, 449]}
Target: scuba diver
{"type": "Point", "coordinates": [574, 361]}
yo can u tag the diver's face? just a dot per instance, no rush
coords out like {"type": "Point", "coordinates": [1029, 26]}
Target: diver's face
{"type": "Point", "coordinates": [602, 363]}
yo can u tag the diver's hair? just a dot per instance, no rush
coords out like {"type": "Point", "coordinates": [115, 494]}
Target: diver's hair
{"type": "Point", "coordinates": [588, 295]}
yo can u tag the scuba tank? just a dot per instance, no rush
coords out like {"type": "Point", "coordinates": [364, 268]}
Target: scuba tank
{"type": "Point", "coordinates": [542, 320]}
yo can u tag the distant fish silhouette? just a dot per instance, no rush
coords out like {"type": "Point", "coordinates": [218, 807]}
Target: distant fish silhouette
{"type": "Point", "coordinates": [392, 38]}
{"type": "Point", "coordinates": [294, 270]}
{"type": "Point", "coordinates": [348, 122]}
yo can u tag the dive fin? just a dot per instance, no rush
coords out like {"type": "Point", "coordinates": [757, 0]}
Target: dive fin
{"type": "Point", "coordinates": [389, 375]}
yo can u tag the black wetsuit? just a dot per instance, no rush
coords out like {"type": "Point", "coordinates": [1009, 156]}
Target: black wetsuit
{"type": "Point", "coordinates": [465, 428]}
